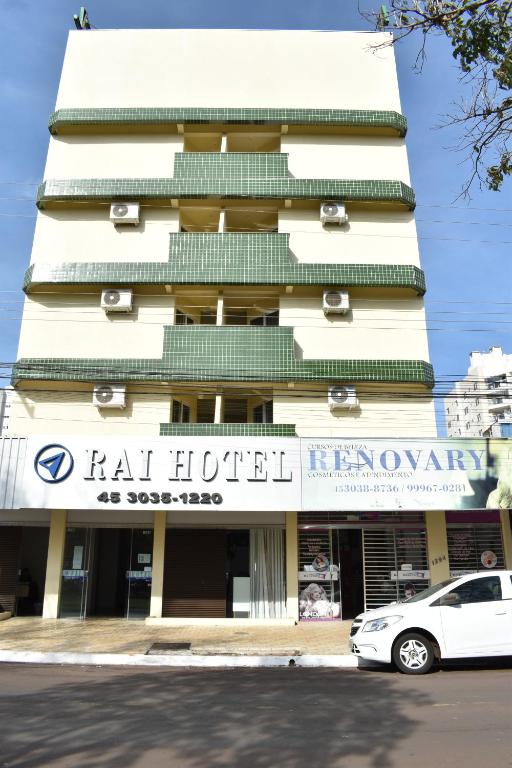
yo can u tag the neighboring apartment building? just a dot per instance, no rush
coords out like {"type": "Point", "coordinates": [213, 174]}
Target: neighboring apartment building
{"type": "Point", "coordinates": [480, 404]}
{"type": "Point", "coordinates": [244, 198]}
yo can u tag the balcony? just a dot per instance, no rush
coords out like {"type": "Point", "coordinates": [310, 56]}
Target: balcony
{"type": "Point", "coordinates": [242, 429]}
{"type": "Point", "coordinates": [234, 258]}
{"type": "Point", "coordinates": [168, 118]}
{"type": "Point", "coordinates": [225, 353]}
{"type": "Point", "coordinates": [57, 192]}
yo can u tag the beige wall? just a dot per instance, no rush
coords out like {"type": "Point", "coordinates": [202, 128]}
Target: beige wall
{"type": "Point", "coordinates": [375, 327]}
{"type": "Point", "coordinates": [386, 409]}
{"type": "Point", "coordinates": [346, 157]}
{"type": "Point", "coordinates": [230, 68]}
{"type": "Point", "coordinates": [80, 328]}
{"type": "Point", "coordinates": [98, 157]}
{"type": "Point", "coordinates": [370, 237]}
{"type": "Point", "coordinates": [69, 410]}
{"type": "Point", "coordinates": [85, 234]}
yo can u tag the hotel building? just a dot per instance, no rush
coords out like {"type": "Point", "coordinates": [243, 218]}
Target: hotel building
{"type": "Point", "coordinates": [225, 251]}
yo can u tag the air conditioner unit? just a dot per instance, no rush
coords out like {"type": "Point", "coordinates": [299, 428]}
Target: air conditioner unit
{"type": "Point", "coordinates": [335, 302]}
{"type": "Point", "coordinates": [109, 396]}
{"type": "Point", "coordinates": [333, 213]}
{"type": "Point", "coordinates": [125, 213]}
{"type": "Point", "coordinates": [342, 397]}
{"type": "Point", "coordinates": [116, 299]}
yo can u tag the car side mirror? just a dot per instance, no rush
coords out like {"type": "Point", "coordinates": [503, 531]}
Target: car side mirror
{"type": "Point", "coordinates": [451, 598]}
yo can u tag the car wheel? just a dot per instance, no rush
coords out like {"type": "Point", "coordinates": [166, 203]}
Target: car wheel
{"type": "Point", "coordinates": [413, 654]}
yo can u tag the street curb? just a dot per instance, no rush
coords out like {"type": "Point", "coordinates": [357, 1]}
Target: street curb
{"type": "Point", "coordinates": [176, 660]}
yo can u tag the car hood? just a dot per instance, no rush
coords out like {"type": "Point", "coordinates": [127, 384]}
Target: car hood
{"type": "Point", "coordinates": [396, 608]}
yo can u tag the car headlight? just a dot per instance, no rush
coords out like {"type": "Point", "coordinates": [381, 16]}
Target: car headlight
{"type": "Point", "coordinates": [383, 623]}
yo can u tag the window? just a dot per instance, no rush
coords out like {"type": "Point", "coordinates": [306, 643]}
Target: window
{"type": "Point", "coordinates": [269, 319]}
{"type": "Point", "coordinates": [208, 317]}
{"type": "Point", "coordinates": [264, 413]}
{"type": "Point", "coordinates": [180, 412]}
{"type": "Point", "coordinates": [466, 411]}
{"type": "Point", "coordinates": [182, 319]}
{"type": "Point", "coordinates": [235, 410]}
{"type": "Point", "coordinates": [483, 590]}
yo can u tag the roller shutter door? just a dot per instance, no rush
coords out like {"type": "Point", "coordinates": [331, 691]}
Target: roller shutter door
{"type": "Point", "coordinates": [10, 541]}
{"type": "Point", "coordinates": [195, 574]}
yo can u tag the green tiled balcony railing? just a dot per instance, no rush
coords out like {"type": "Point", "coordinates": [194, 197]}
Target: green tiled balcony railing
{"type": "Point", "coordinates": [224, 353]}
{"type": "Point", "coordinates": [230, 166]}
{"type": "Point", "coordinates": [106, 190]}
{"type": "Point", "coordinates": [166, 117]}
{"type": "Point", "coordinates": [235, 258]}
{"type": "Point", "coordinates": [227, 430]}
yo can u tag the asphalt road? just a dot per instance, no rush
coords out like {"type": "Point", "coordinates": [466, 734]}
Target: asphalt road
{"type": "Point", "coordinates": [298, 718]}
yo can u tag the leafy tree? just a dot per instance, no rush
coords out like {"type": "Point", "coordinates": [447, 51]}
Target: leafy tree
{"type": "Point", "coordinates": [481, 38]}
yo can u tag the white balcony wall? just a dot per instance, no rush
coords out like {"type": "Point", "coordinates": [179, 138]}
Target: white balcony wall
{"type": "Point", "coordinates": [74, 325]}
{"type": "Point", "coordinates": [372, 236]}
{"type": "Point", "coordinates": [117, 157]}
{"type": "Point", "coordinates": [346, 157]}
{"type": "Point", "coordinates": [85, 234]}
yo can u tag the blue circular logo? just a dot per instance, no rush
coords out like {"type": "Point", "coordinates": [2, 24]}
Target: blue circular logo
{"type": "Point", "coordinates": [53, 463]}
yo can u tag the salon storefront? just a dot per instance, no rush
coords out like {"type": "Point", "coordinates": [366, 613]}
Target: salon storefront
{"type": "Point", "coordinates": [274, 530]}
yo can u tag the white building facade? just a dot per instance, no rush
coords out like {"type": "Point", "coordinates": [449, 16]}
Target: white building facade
{"type": "Point", "coordinates": [225, 251]}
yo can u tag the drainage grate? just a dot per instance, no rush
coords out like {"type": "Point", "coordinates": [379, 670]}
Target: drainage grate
{"type": "Point", "coordinates": [166, 648]}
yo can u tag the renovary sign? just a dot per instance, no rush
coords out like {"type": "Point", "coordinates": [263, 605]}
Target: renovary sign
{"type": "Point", "coordinates": [392, 474]}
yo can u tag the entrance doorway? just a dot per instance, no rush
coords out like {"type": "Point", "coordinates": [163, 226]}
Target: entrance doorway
{"type": "Point", "coordinates": [331, 584]}
{"type": "Point", "coordinates": [23, 555]}
{"type": "Point", "coordinates": [206, 573]}
{"type": "Point", "coordinates": [107, 572]}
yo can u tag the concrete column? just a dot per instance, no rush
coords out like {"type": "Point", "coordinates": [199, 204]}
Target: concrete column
{"type": "Point", "coordinates": [507, 537]}
{"type": "Point", "coordinates": [292, 567]}
{"type": "Point", "coordinates": [222, 220]}
{"type": "Point", "coordinates": [157, 582]}
{"type": "Point", "coordinates": [220, 309]}
{"type": "Point", "coordinates": [437, 546]}
{"type": "Point", "coordinates": [57, 540]}
{"type": "Point", "coordinates": [219, 321]}
{"type": "Point", "coordinates": [217, 419]}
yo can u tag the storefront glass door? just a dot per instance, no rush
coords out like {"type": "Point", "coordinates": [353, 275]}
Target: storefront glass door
{"type": "Point", "coordinates": [75, 573]}
{"type": "Point", "coordinates": [107, 572]}
{"type": "Point", "coordinates": [139, 573]}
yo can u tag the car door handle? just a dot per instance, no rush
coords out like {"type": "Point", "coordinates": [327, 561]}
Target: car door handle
{"type": "Point", "coordinates": [501, 613]}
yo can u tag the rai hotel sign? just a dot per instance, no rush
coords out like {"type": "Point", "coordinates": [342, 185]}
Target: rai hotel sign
{"type": "Point", "coordinates": [235, 474]}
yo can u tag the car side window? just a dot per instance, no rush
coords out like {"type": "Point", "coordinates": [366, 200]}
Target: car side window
{"type": "Point", "coordinates": [479, 590]}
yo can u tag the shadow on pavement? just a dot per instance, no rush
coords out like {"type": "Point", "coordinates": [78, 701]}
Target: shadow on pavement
{"type": "Point", "coordinates": [200, 718]}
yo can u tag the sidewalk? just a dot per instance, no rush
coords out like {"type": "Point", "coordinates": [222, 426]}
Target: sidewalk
{"type": "Point", "coordinates": [119, 641]}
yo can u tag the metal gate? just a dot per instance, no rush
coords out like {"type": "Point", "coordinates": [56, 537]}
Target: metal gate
{"type": "Point", "coordinates": [475, 547]}
{"type": "Point", "coordinates": [395, 563]}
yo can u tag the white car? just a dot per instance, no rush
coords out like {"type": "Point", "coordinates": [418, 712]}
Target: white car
{"type": "Point", "coordinates": [460, 618]}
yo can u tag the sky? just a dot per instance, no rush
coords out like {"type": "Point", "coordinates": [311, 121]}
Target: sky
{"type": "Point", "coordinates": [465, 245]}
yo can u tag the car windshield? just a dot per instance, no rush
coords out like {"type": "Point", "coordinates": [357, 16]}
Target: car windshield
{"type": "Point", "coordinates": [430, 591]}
